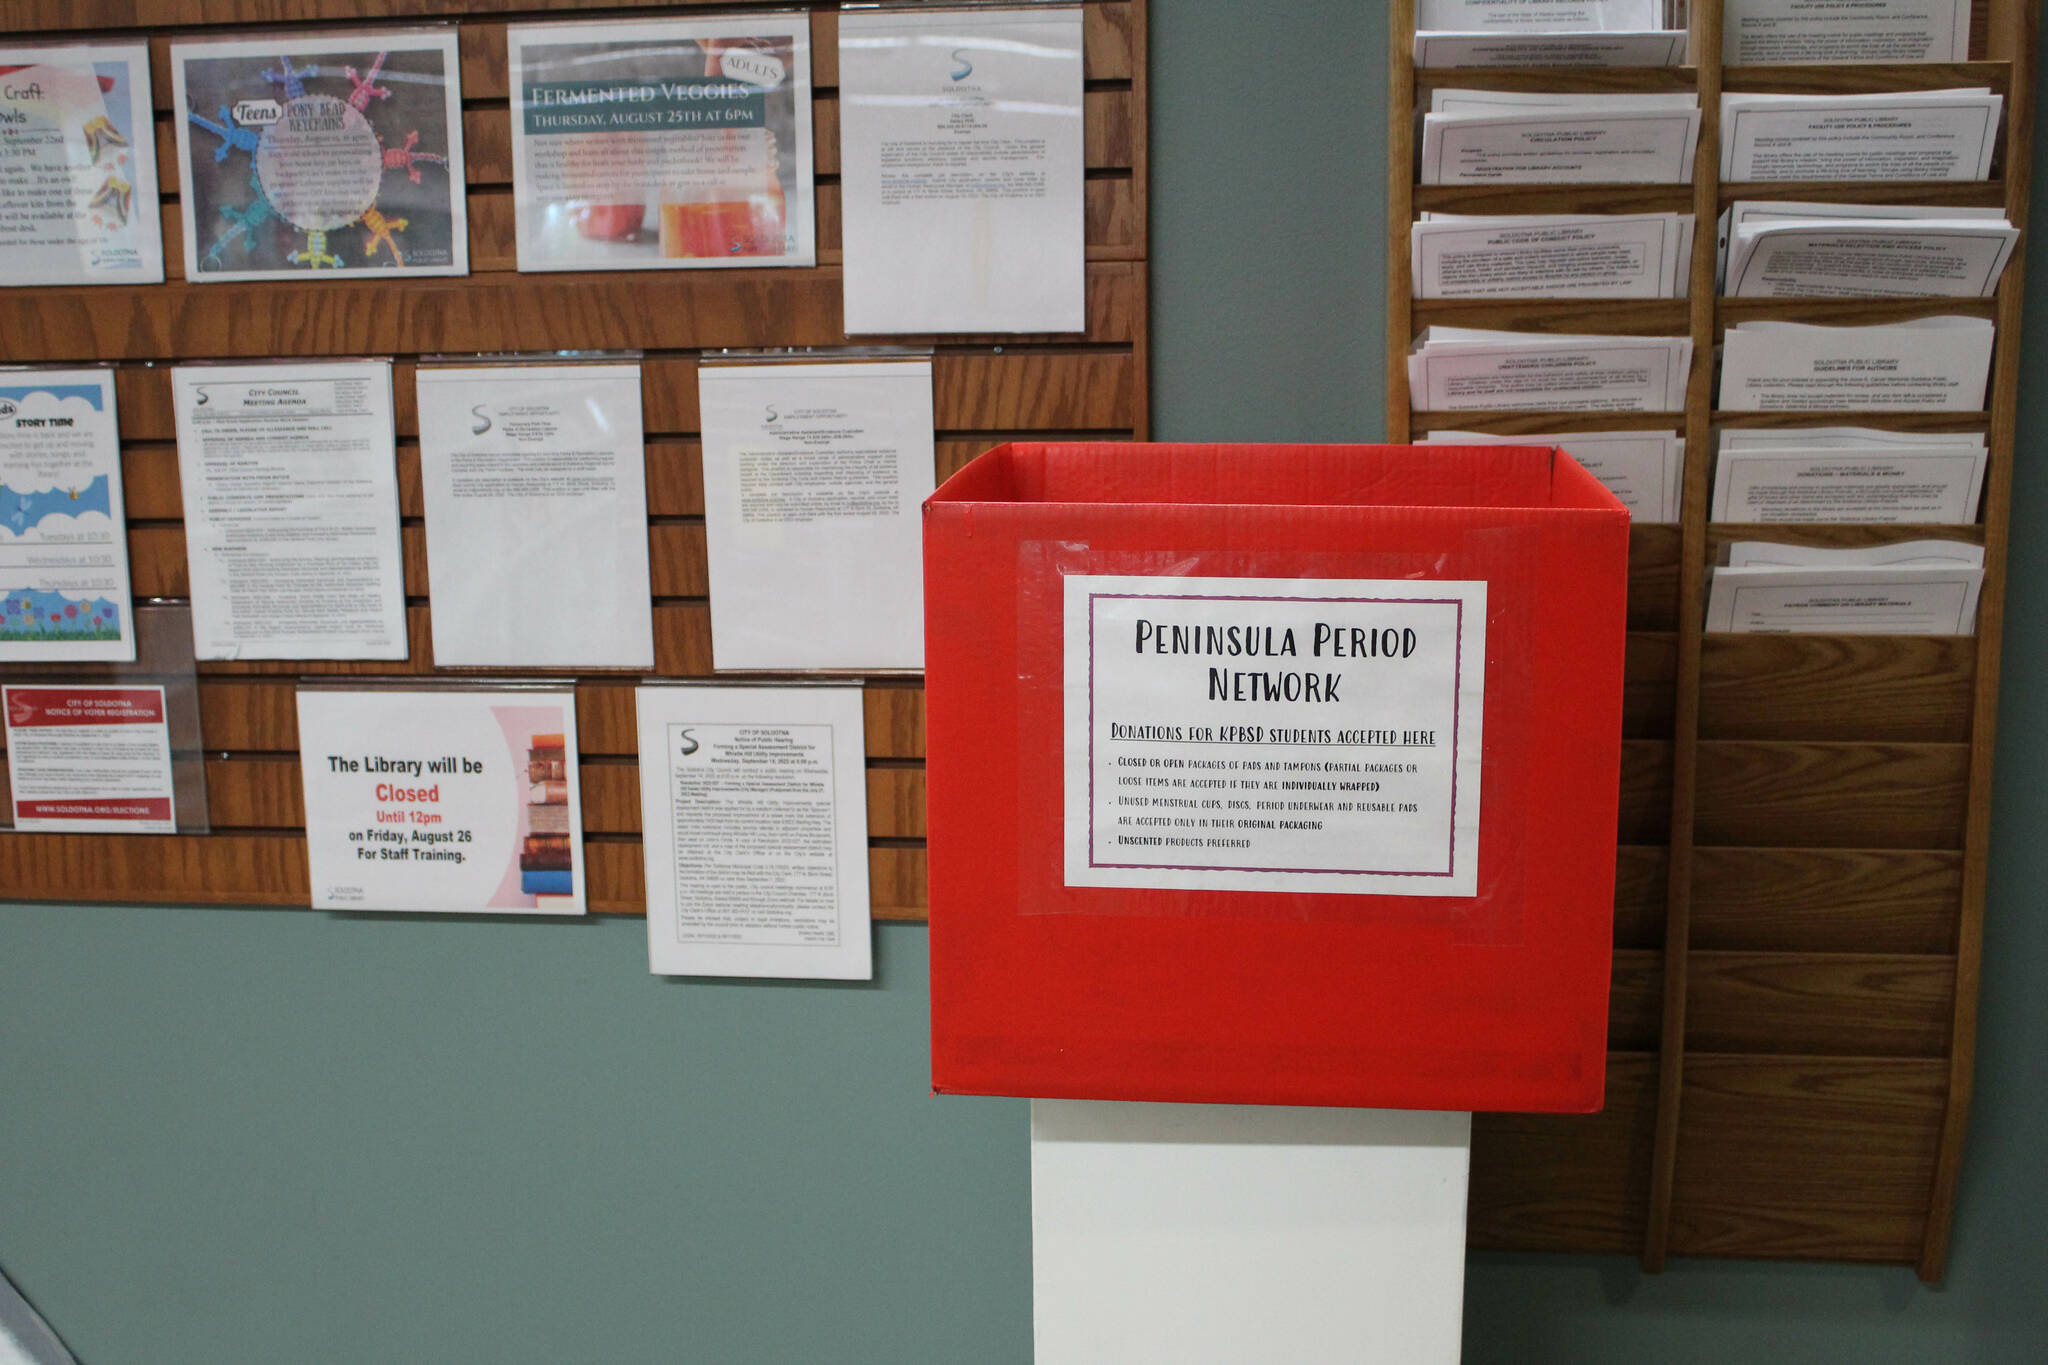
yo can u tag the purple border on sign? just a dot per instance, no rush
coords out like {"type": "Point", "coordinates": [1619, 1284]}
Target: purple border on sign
{"type": "Point", "coordinates": [1457, 692]}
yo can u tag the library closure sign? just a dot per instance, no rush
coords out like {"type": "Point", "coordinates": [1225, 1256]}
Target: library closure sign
{"type": "Point", "coordinates": [442, 800]}
{"type": "Point", "coordinates": [1253, 734]}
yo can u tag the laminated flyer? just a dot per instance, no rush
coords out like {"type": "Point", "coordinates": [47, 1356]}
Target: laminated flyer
{"type": "Point", "coordinates": [63, 532]}
{"type": "Point", "coordinates": [302, 154]}
{"type": "Point", "coordinates": [78, 196]}
{"type": "Point", "coordinates": [663, 145]}
{"type": "Point", "coordinates": [85, 759]}
{"type": "Point", "coordinates": [442, 799]}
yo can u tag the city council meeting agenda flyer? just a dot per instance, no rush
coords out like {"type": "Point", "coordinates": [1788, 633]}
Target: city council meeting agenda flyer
{"type": "Point", "coordinates": [442, 799]}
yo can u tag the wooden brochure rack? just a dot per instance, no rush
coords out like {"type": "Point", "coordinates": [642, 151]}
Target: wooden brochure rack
{"type": "Point", "coordinates": [1805, 818]}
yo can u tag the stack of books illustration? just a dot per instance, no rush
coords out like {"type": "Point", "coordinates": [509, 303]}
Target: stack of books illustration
{"type": "Point", "coordinates": [545, 866]}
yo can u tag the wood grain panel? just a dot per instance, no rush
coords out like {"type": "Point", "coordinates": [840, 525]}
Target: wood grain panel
{"type": "Point", "coordinates": [1566, 1182]}
{"type": "Point", "coordinates": [1806, 1157]}
{"type": "Point", "coordinates": [1820, 1004]}
{"type": "Point", "coordinates": [1639, 874]}
{"type": "Point", "coordinates": [1838, 687]}
{"type": "Point", "coordinates": [1652, 577]}
{"type": "Point", "coordinates": [1826, 899]}
{"type": "Point", "coordinates": [1832, 795]}
{"type": "Point", "coordinates": [730, 308]}
{"type": "Point", "coordinates": [259, 715]}
{"type": "Point", "coordinates": [1650, 672]}
{"type": "Point", "coordinates": [1605, 317]}
{"type": "Point", "coordinates": [1645, 791]}
{"type": "Point", "coordinates": [1635, 1000]}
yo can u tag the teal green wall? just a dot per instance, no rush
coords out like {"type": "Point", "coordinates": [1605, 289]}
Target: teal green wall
{"type": "Point", "coordinates": [272, 1136]}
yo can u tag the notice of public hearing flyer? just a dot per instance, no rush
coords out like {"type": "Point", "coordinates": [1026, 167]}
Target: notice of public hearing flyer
{"type": "Point", "coordinates": [437, 799]}
{"type": "Point", "coordinates": [753, 811]}
{"type": "Point", "coordinates": [291, 510]}
{"type": "Point", "coordinates": [63, 531]}
{"type": "Point", "coordinates": [78, 196]}
{"type": "Point", "coordinates": [1257, 734]}
{"type": "Point", "coordinates": [962, 171]}
{"type": "Point", "coordinates": [666, 145]}
{"type": "Point", "coordinates": [814, 476]}
{"type": "Point", "coordinates": [89, 760]}
{"type": "Point", "coordinates": [536, 495]}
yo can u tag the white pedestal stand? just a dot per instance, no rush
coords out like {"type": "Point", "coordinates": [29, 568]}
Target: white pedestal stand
{"type": "Point", "coordinates": [1187, 1233]}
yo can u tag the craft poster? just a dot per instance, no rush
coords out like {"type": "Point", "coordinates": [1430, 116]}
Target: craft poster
{"type": "Point", "coordinates": [307, 155]}
{"type": "Point", "coordinates": [442, 800]}
{"type": "Point", "coordinates": [78, 196]}
{"type": "Point", "coordinates": [63, 532]}
{"type": "Point", "coordinates": [659, 146]}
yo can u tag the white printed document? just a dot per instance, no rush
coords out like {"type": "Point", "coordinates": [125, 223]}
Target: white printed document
{"type": "Point", "coordinates": [1488, 49]}
{"type": "Point", "coordinates": [1938, 364]}
{"type": "Point", "coordinates": [63, 531]}
{"type": "Point", "coordinates": [814, 480]}
{"type": "Point", "coordinates": [1644, 469]}
{"type": "Point", "coordinates": [1898, 135]}
{"type": "Point", "coordinates": [1482, 33]}
{"type": "Point", "coordinates": [1909, 588]}
{"type": "Point", "coordinates": [85, 759]}
{"type": "Point", "coordinates": [1538, 16]}
{"type": "Point", "coordinates": [536, 496]}
{"type": "Point", "coordinates": [78, 193]}
{"type": "Point", "coordinates": [291, 510]}
{"type": "Point", "coordinates": [1868, 258]}
{"type": "Point", "coordinates": [1930, 485]}
{"type": "Point", "coordinates": [962, 170]}
{"type": "Point", "coordinates": [1818, 32]}
{"type": "Point", "coordinates": [664, 144]}
{"type": "Point", "coordinates": [753, 811]}
{"type": "Point", "coordinates": [432, 798]}
{"type": "Point", "coordinates": [1752, 554]}
{"type": "Point", "coordinates": [1497, 137]}
{"type": "Point", "coordinates": [1459, 368]}
{"type": "Point", "coordinates": [1539, 255]}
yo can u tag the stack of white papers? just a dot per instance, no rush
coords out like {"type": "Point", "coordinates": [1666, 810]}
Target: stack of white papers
{"type": "Point", "coordinates": [1937, 364]}
{"type": "Point", "coordinates": [1642, 468]}
{"type": "Point", "coordinates": [1848, 474]}
{"type": "Point", "coordinates": [1919, 587]}
{"type": "Point", "coordinates": [1547, 33]}
{"type": "Point", "coordinates": [1552, 255]}
{"type": "Point", "coordinates": [1467, 368]}
{"type": "Point", "coordinates": [1787, 249]}
{"type": "Point", "coordinates": [1508, 137]}
{"type": "Point", "coordinates": [1897, 135]}
{"type": "Point", "coordinates": [1803, 32]}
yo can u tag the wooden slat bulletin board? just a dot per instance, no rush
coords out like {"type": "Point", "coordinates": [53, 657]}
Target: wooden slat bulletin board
{"type": "Point", "coordinates": [1804, 817]}
{"type": "Point", "coordinates": [986, 390]}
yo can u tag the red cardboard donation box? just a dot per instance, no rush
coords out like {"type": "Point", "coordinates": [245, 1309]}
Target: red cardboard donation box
{"type": "Point", "coordinates": [1274, 774]}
